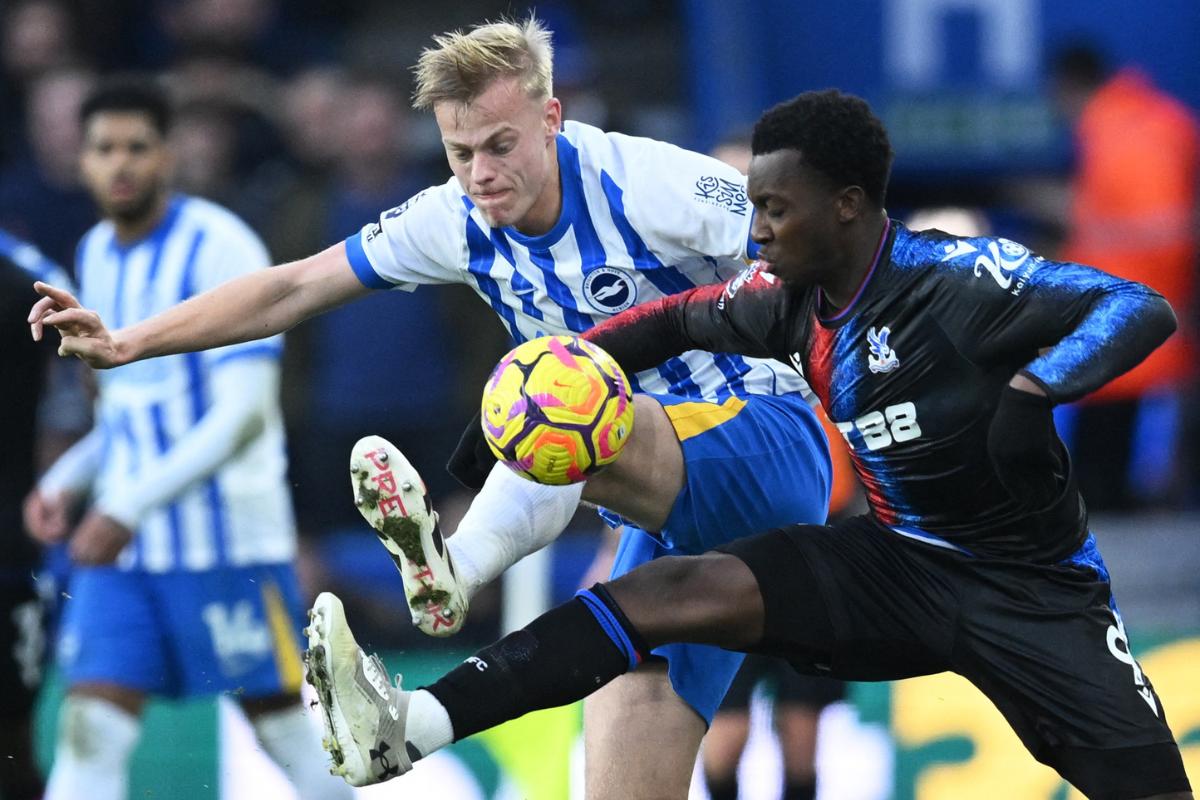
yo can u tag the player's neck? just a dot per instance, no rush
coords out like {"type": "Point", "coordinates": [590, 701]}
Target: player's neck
{"type": "Point", "coordinates": [864, 248]}
{"type": "Point", "coordinates": [132, 230]}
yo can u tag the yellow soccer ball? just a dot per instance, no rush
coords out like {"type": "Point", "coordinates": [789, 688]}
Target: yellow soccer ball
{"type": "Point", "coordinates": [556, 409]}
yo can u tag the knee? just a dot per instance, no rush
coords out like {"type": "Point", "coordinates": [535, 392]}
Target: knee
{"type": "Point", "coordinates": [92, 729]}
{"type": "Point", "coordinates": [673, 579]}
{"type": "Point", "coordinates": [710, 599]}
{"type": "Point", "coordinates": [705, 580]}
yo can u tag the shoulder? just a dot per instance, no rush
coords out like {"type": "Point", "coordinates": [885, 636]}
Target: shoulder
{"type": "Point", "coordinates": [444, 204]}
{"type": "Point", "coordinates": [102, 231]}
{"type": "Point", "coordinates": [592, 142]}
{"type": "Point", "coordinates": [611, 145]}
{"type": "Point", "coordinates": [992, 263]}
{"type": "Point", "coordinates": [639, 156]}
{"type": "Point", "coordinates": [948, 252]}
{"type": "Point", "coordinates": [662, 185]}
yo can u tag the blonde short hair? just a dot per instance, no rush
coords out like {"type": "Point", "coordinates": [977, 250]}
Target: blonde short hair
{"type": "Point", "coordinates": [463, 65]}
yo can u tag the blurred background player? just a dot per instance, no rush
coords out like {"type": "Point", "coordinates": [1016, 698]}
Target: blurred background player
{"type": "Point", "coordinates": [184, 584]}
{"type": "Point", "coordinates": [30, 434]}
{"type": "Point", "coordinates": [1134, 210]}
{"type": "Point", "coordinates": [796, 703]}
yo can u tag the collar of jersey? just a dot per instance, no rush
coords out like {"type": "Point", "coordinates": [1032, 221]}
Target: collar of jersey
{"type": "Point", "coordinates": [160, 231]}
{"type": "Point", "coordinates": [843, 316]}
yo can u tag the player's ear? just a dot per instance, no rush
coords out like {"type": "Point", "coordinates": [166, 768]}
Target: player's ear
{"type": "Point", "coordinates": [850, 202]}
{"type": "Point", "coordinates": [552, 117]}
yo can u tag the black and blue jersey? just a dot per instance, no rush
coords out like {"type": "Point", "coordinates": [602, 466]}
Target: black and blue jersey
{"type": "Point", "coordinates": [912, 369]}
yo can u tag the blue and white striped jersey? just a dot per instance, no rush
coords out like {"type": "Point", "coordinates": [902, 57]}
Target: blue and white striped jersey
{"type": "Point", "coordinates": [641, 219]}
{"type": "Point", "coordinates": [241, 513]}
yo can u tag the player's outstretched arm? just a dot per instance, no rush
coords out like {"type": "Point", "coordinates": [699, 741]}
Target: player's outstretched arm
{"type": "Point", "coordinates": [253, 306]}
{"type": "Point", "coordinates": [742, 315]}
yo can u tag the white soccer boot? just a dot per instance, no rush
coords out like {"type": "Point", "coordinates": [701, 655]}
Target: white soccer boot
{"type": "Point", "coordinates": [392, 499]}
{"type": "Point", "coordinates": [364, 714]}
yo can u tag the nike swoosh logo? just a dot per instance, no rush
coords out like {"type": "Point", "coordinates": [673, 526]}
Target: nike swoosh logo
{"type": "Point", "coordinates": [523, 292]}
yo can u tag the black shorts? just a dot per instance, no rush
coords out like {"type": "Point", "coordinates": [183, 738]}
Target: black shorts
{"type": "Point", "coordinates": [22, 642]}
{"type": "Point", "coordinates": [857, 601]}
{"type": "Point", "coordinates": [785, 685]}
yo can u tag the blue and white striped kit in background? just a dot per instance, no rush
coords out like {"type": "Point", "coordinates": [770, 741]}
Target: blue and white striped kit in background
{"type": "Point", "coordinates": [242, 514]}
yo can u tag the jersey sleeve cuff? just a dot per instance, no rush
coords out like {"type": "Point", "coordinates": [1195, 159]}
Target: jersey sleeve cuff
{"type": "Point", "coordinates": [362, 265]}
{"type": "Point", "coordinates": [1041, 384]}
{"type": "Point", "coordinates": [120, 509]}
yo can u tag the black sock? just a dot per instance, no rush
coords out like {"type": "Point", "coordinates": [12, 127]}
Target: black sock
{"type": "Point", "coordinates": [800, 791]}
{"type": "Point", "coordinates": [562, 656]}
{"type": "Point", "coordinates": [723, 790]}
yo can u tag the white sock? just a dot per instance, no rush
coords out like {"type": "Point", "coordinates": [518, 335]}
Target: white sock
{"type": "Point", "coordinates": [510, 518]}
{"type": "Point", "coordinates": [427, 726]}
{"type": "Point", "coordinates": [293, 743]}
{"type": "Point", "coordinates": [91, 757]}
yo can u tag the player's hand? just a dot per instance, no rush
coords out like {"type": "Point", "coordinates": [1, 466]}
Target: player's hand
{"type": "Point", "coordinates": [1024, 447]}
{"type": "Point", "coordinates": [46, 516]}
{"type": "Point", "coordinates": [472, 460]}
{"type": "Point", "coordinates": [98, 540]}
{"type": "Point", "coordinates": [83, 332]}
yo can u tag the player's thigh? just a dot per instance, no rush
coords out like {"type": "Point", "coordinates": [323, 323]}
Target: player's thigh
{"type": "Point", "coordinates": [643, 483]}
{"type": "Point", "coordinates": [851, 600]}
{"type": "Point", "coordinates": [701, 473]}
{"type": "Point", "coordinates": [235, 628]}
{"type": "Point", "coordinates": [752, 464]}
{"type": "Point", "coordinates": [112, 633]}
{"type": "Point", "coordinates": [640, 738]}
{"type": "Point", "coordinates": [1055, 660]}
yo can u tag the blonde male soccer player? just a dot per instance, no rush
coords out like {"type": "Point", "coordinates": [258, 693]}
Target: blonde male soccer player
{"type": "Point", "coordinates": [185, 584]}
{"type": "Point", "coordinates": [557, 225]}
